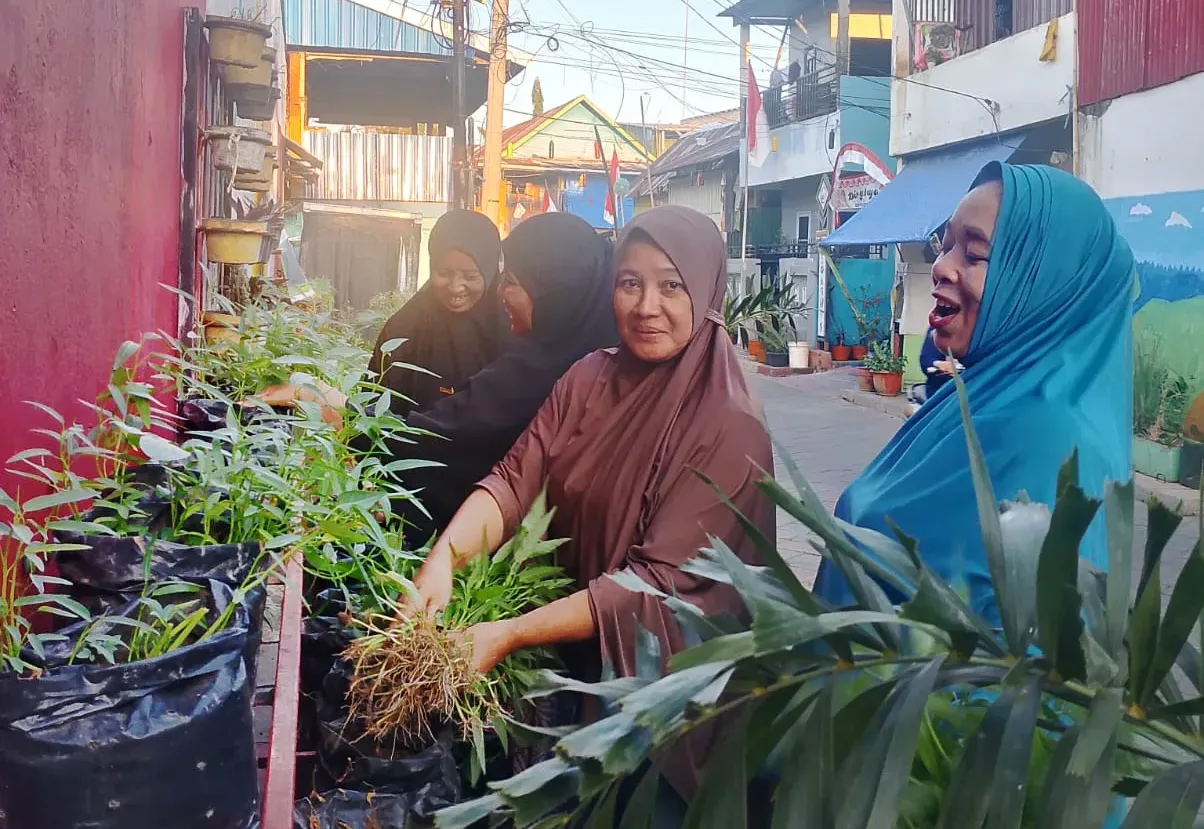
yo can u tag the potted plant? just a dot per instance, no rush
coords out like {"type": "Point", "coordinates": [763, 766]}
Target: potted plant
{"type": "Point", "coordinates": [865, 372]}
{"type": "Point", "coordinates": [867, 313]}
{"type": "Point", "coordinates": [777, 355]}
{"type": "Point", "coordinates": [888, 371]}
{"type": "Point", "coordinates": [235, 41]}
{"type": "Point", "coordinates": [745, 316]}
{"type": "Point", "coordinates": [1160, 403]}
{"type": "Point", "coordinates": [234, 241]}
{"type": "Point", "coordinates": [841, 353]}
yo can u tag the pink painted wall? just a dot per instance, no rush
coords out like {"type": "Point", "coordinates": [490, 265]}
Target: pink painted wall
{"type": "Point", "coordinates": [90, 109]}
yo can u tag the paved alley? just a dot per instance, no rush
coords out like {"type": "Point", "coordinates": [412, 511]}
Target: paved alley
{"type": "Point", "coordinates": [832, 440]}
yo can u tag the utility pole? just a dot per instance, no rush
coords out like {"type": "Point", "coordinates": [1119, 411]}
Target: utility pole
{"type": "Point", "coordinates": [496, 97]}
{"type": "Point", "coordinates": [460, 174]}
{"type": "Point", "coordinates": [644, 131]}
{"type": "Point", "coordinates": [842, 38]}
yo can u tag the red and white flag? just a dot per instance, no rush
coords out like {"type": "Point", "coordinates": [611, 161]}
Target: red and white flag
{"type": "Point", "coordinates": [757, 124]}
{"type": "Point", "coordinates": [610, 209]}
{"type": "Point", "coordinates": [548, 204]}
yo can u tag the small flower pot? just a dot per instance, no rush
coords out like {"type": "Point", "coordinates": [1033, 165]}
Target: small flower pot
{"type": "Point", "coordinates": [260, 182]}
{"type": "Point", "coordinates": [841, 353]}
{"type": "Point", "coordinates": [865, 379]}
{"type": "Point", "coordinates": [888, 384]}
{"type": "Point", "coordinates": [220, 328]}
{"type": "Point", "coordinates": [238, 149]}
{"type": "Point", "coordinates": [234, 241]}
{"type": "Point", "coordinates": [260, 110]}
{"type": "Point", "coordinates": [859, 352]}
{"type": "Point", "coordinates": [236, 42]}
{"type": "Point", "coordinates": [777, 359]}
{"type": "Point", "coordinates": [756, 350]}
{"type": "Point", "coordinates": [1191, 464]}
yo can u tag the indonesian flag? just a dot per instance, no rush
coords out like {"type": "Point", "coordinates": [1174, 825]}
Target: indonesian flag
{"type": "Point", "coordinates": [548, 205]}
{"type": "Point", "coordinates": [757, 125]}
{"type": "Point", "coordinates": [609, 210]}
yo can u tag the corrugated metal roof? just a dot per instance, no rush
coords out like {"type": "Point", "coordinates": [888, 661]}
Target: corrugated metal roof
{"type": "Point", "coordinates": [379, 166]}
{"type": "Point", "coordinates": [1126, 46]}
{"type": "Point", "coordinates": [699, 148]}
{"type": "Point", "coordinates": [342, 24]}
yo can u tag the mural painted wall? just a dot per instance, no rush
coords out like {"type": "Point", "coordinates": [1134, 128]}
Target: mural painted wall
{"type": "Point", "coordinates": [1166, 232]}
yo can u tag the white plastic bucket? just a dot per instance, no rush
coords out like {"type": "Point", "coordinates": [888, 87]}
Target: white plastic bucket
{"type": "Point", "coordinates": [800, 354]}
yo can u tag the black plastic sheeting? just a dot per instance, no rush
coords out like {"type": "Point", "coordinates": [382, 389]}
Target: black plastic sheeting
{"type": "Point", "coordinates": [342, 809]}
{"type": "Point", "coordinates": [420, 782]}
{"type": "Point", "coordinates": [166, 742]}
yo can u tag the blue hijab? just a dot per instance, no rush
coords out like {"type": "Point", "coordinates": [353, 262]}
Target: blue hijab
{"type": "Point", "coordinates": [1049, 368]}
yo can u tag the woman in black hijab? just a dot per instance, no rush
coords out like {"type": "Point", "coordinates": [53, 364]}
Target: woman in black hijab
{"type": "Point", "coordinates": [453, 327]}
{"type": "Point", "coordinates": [557, 289]}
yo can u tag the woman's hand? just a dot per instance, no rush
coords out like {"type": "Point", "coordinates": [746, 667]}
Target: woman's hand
{"type": "Point", "coordinates": [330, 400]}
{"type": "Point", "coordinates": [491, 643]}
{"type": "Point", "coordinates": [434, 584]}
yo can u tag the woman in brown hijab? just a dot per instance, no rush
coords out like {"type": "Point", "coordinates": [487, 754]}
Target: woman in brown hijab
{"type": "Point", "coordinates": [620, 443]}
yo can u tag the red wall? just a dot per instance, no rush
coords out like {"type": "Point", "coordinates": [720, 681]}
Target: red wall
{"type": "Point", "coordinates": [1126, 46]}
{"type": "Point", "coordinates": [90, 108]}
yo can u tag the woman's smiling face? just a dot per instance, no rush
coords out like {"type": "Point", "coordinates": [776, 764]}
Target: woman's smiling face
{"type": "Point", "coordinates": [457, 281]}
{"type": "Point", "coordinates": [653, 309]}
{"type": "Point", "coordinates": [959, 275]}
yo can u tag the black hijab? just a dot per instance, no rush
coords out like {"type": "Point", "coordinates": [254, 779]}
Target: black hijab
{"type": "Point", "coordinates": [567, 270]}
{"type": "Point", "coordinates": [454, 346]}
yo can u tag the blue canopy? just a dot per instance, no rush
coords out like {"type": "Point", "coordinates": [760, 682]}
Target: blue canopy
{"type": "Point", "coordinates": [923, 196]}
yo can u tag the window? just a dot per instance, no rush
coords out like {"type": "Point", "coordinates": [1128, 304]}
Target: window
{"type": "Point", "coordinates": [803, 227]}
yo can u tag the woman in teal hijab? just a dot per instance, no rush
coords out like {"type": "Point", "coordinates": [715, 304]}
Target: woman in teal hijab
{"type": "Point", "coordinates": [1033, 294]}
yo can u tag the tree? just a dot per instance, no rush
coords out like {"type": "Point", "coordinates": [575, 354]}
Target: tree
{"type": "Point", "coordinates": [537, 99]}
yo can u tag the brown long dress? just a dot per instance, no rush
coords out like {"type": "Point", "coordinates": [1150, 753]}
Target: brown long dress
{"type": "Point", "coordinates": [620, 442]}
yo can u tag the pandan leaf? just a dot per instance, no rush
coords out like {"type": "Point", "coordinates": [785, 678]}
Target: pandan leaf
{"type": "Point", "coordinates": [617, 743]}
{"type": "Point", "coordinates": [638, 812]}
{"type": "Point", "coordinates": [991, 778]}
{"type": "Point", "coordinates": [1059, 605]}
{"type": "Point", "coordinates": [806, 792]}
{"type": "Point", "coordinates": [1171, 801]}
{"type": "Point", "coordinates": [1118, 520]}
{"type": "Point", "coordinates": [722, 798]}
{"type": "Point", "coordinates": [881, 764]}
{"type": "Point", "coordinates": [1069, 801]}
{"type": "Point", "coordinates": [1182, 613]}
{"type": "Point", "coordinates": [539, 790]}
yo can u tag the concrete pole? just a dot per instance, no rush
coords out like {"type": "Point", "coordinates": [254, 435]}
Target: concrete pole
{"type": "Point", "coordinates": [745, 68]}
{"type": "Point", "coordinates": [842, 38]}
{"type": "Point", "coordinates": [461, 197]}
{"type": "Point", "coordinates": [495, 100]}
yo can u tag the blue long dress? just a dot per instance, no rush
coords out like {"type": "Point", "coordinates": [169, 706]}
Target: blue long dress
{"type": "Point", "coordinates": [1049, 369]}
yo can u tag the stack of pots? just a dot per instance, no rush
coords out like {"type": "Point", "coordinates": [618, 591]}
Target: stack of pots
{"type": "Point", "coordinates": [247, 64]}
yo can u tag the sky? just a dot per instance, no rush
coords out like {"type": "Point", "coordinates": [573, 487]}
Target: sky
{"type": "Point", "coordinates": [619, 51]}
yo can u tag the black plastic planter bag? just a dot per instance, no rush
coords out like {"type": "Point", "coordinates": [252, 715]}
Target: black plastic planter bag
{"type": "Point", "coordinates": [342, 809]}
{"type": "Point", "coordinates": [116, 565]}
{"type": "Point", "coordinates": [166, 742]}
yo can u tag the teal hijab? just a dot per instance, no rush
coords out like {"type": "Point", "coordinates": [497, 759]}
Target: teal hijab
{"type": "Point", "coordinates": [1049, 369]}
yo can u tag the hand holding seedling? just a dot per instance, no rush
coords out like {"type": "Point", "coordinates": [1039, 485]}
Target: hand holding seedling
{"type": "Point", "coordinates": [331, 400]}
{"type": "Point", "coordinates": [491, 643]}
{"type": "Point", "coordinates": [432, 583]}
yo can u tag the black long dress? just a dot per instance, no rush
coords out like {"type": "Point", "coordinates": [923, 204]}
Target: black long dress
{"type": "Point", "coordinates": [566, 268]}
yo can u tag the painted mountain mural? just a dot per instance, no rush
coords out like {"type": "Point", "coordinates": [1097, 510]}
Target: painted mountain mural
{"type": "Point", "coordinates": [1166, 232]}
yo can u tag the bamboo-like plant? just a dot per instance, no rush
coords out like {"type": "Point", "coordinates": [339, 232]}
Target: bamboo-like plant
{"type": "Point", "coordinates": [1077, 696]}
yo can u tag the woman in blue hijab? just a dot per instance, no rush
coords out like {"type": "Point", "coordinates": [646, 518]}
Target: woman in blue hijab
{"type": "Point", "coordinates": [1033, 295]}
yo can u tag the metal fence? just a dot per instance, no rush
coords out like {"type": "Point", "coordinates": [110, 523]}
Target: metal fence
{"type": "Point", "coordinates": [380, 166]}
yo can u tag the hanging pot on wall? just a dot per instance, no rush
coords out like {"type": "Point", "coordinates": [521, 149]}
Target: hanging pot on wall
{"type": "Point", "coordinates": [261, 108]}
{"type": "Point", "coordinates": [236, 42]}
{"type": "Point", "coordinates": [234, 241]}
{"type": "Point", "coordinates": [260, 182]}
{"type": "Point", "coordinates": [238, 149]}
{"type": "Point", "coordinates": [260, 75]}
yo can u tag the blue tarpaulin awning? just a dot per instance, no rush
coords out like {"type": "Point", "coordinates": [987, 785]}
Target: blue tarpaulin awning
{"type": "Point", "coordinates": [923, 196]}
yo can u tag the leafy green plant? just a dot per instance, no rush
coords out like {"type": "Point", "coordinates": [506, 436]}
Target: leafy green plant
{"type": "Point", "coordinates": [1160, 396]}
{"type": "Point", "coordinates": [773, 307]}
{"type": "Point", "coordinates": [773, 340]}
{"type": "Point", "coordinates": [1087, 694]}
{"type": "Point", "coordinates": [408, 670]}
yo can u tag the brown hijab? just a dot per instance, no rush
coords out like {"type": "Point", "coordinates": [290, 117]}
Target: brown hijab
{"type": "Point", "coordinates": [620, 443]}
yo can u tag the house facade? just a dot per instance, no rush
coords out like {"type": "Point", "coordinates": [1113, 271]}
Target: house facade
{"type": "Point", "coordinates": [828, 156]}
{"type": "Point", "coordinates": [701, 171]}
{"type": "Point", "coordinates": [1140, 134]}
{"type": "Point", "coordinates": [370, 97]}
{"type": "Point", "coordinates": [973, 81]}
{"type": "Point", "coordinates": [555, 159]}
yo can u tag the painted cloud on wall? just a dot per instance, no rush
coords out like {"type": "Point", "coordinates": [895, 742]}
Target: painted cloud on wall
{"type": "Point", "coordinates": [1140, 209]}
{"type": "Point", "coordinates": [1177, 219]}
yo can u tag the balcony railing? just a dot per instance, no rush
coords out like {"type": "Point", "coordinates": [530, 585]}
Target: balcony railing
{"type": "Point", "coordinates": [784, 249]}
{"type": "Point", "coordinates": [814, 94]}
{"type": "Point", "coordinates": [946, 29]}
